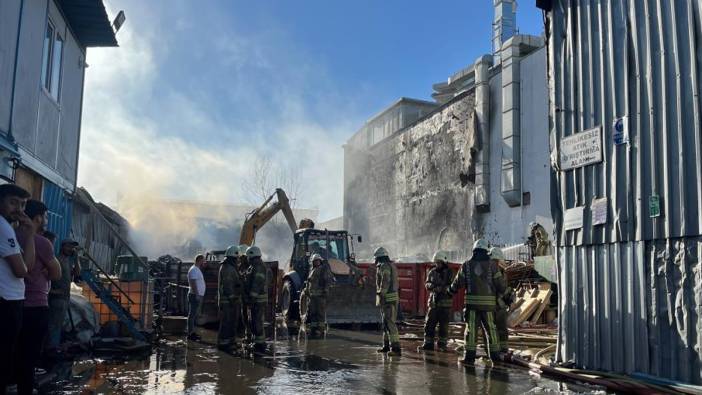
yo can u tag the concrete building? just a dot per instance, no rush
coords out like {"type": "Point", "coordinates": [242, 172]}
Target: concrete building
{"type": "Point", "coordinates": [625, 113]}
{"type": "Point", "coordinates": [43, 46]}
{"type": "Point", "coordinates": [473, 164]}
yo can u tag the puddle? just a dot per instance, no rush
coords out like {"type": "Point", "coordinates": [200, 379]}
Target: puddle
{"type": "Point", "coordinates": [345, 362]}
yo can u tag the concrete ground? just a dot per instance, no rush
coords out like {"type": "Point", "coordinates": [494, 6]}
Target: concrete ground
{"type": "Point", "coordinates": [345, 362]}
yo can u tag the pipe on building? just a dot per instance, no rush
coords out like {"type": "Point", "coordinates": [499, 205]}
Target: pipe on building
{"type": "Point", "coordinates": [512, 53]}
{"type": "Point", "coordinates": [482, 116]}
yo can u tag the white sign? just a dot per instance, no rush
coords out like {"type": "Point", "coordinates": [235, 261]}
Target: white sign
{"type": "Point", "coordinates": [598, 209]}
{"type": "Point", "coordinates": [581, 149]}
{"type": "Point", "coordinates": [620, 130]}
{"type": "Point", "coordinates": [573, 218]}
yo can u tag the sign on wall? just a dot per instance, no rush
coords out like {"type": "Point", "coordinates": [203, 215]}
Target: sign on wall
{"type": "Point", "coordinates": [581, 149]}
{"type": "Point", "coordinates": [573, 218]}
{"type": "Point", "coordinates": [654, 206]}
{"type": "Point", "coordinates": [598, 209]}
{"type": "Point", "coordinates": [620, 130]}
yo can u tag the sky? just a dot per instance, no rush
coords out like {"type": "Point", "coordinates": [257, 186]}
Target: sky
{"type": "Point", "coordinates": [199, 93]}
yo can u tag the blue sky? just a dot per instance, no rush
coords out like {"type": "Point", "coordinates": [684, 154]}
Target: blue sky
{"type": "Point", "coordinates": [200, 91]}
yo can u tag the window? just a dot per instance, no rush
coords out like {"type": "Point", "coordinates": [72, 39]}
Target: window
{"type": "Point", "coordinates": [52, 57]}
{"type": "Point", "coordinates": [48, 43]}
{"type": "Point", "coordinates": [57, 56]}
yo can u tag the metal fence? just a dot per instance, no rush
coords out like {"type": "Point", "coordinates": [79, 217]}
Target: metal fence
{"type": "Point", "coordinates": [630, 271]}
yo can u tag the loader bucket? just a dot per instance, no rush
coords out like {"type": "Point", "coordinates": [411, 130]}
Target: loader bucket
{"type": "Point", "coordinates": [352, 304]}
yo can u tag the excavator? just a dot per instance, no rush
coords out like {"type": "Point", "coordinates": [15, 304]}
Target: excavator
{"type": "Point", "coordinates": [352, 297]}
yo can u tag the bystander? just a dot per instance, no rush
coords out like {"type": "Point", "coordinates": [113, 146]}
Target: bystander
{"type": "Point", "coordinates": [14, 266]}
{"type": "Point", "coordinates": [196, 294]}
{"type": "Point", "coordinates": [60, 294]}
{"type": "Point", "coordinates": [35, 314]}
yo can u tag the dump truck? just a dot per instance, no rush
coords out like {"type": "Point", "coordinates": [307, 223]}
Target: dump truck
{"type": "Point", "coordinates": [352, 296]}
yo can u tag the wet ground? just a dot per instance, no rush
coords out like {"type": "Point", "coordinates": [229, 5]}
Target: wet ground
{"type": "Point", "coordinates": [345, 362]}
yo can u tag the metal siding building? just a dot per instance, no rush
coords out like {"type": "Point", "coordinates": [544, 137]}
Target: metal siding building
{"type": "Point", "coordinates": [632, 287]}
{"type": "Point", "coordinates": [60, 207]}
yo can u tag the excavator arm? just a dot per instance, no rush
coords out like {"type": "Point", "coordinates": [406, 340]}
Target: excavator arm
{"type": "Point", "coordinates": [259, 217]}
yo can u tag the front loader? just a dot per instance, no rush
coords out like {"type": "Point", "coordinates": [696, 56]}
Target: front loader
{"type": "Point", "coordinates": [352, 296]}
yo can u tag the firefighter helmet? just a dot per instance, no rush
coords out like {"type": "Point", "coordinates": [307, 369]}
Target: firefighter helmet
{"type": "Point", "coordinates": [481, 244]}
{"type": "Point", "coordinates": [496, 254]}
{"type": "Point", "coordinates": [232, 251]}
{"type": "Point", "coordinates": [380, 252]}
{"type": "Point", "coordinates": [253, 252]}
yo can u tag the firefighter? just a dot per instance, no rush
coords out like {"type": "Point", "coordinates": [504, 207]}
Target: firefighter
{"type": "Point", "coordinates": [439, 304]}
{"type": "Point", "coordinates": [316, 290]}
{"type": "Point", "coordinates": [482, 281]}
{"type": "Point", "coordinates": [504, 300]}
{"type": "Point", "coordinates": [244, 319]}
{"type": "Point", "coordinates": [230, 287]}
{"type": "Point", "coordinates": [538, 242]}
{"type": "Point", "coordinates": [257, 285]}
{"type": "Point", "coordinates": [387, 299]}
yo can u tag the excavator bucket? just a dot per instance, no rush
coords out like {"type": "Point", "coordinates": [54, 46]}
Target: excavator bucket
{"type": "Point", "coordinates": [352, 304]}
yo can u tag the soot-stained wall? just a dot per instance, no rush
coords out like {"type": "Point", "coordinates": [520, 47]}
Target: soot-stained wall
{"type": "Point", "coordinates": [411, 192]}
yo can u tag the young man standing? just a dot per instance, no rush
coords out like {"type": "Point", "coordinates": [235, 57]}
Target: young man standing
{"type": "Point", "coordinates": [35, 314]}
{"type": "Point", "coordinates": [14, 266]}
{"type": "Point", "coordinates": [60, 293]}
{"type": "Point", "coordinates": [196, 294]}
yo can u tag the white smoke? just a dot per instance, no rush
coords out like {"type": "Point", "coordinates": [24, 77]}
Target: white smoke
{"type": "Point", "coordinates": [143, 142]}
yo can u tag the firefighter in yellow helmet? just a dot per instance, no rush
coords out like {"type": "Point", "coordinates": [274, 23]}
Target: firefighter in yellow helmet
{"type": "Point", "coordinates": [439, 303]}
{"type": "Point", "coordinates": [482, 281]}
{"type": "Point", "coordinates": [387, 298]}
{"type": "Point", "coordinates": [504, 300]}
{"type": "Point", "coordinates": [229, 292]}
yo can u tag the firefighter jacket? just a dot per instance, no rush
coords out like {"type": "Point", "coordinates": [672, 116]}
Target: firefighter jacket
{"type": "Point", "coordinates": [257, 282]}
{"type": "Point", "coordinates": [438, 283]}
{"type": "Point", "coordinates": [229, 284]}
{"type": "Point", "coordinates": [386, 284]}
{"type": "Point", "coordinates": [318, 282]}
{"type": "Point", "coordinates": [482, 280]}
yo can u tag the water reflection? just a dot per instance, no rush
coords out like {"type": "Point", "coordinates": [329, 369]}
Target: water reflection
{"type": "Point", "coordinates": [345, 362]}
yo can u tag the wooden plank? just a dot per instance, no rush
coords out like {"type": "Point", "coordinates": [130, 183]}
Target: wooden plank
{"type": "Point", "coordinates": [525, 310]}
{"type": "Point", "coordinates": [544, 296]}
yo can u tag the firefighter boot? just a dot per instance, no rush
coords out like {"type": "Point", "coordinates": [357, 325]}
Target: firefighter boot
{"type": "Point", "coordinates": [386, 348]}
{"type": "Point", "coordinates": [395, 350]}
{"type": "Point", "coordinates": [427, 346]}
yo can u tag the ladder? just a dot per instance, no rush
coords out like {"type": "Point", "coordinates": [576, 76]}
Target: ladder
{"type": "Point", "coordinates": [116, 307]}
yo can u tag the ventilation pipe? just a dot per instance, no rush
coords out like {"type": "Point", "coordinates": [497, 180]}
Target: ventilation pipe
{"type": "Point", "coordinates": [482, 121]}
{"type": "Point", "coordinates": [512, 52]}
{"type": "Point", "coordinates": [504, 26]}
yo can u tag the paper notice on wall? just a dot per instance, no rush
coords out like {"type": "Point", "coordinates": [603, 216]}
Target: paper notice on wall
{"type": "Point", "coordinates": [581, 149]}
{"type": "Point", "coordinates": [620, 130]}
{"type": "Point", "coordinates": [573, 218]}
{"type": "Point", "coordinates": [598, 208]}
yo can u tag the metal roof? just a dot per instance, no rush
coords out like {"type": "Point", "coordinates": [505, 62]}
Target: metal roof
{"type": "Point", "coordinates": [88, 20]}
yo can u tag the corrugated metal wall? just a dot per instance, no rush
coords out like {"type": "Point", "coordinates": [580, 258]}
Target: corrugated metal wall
{"type": "Point", "coordinates": [640, 59]}
{"type": "Point", "coordinates": [631, 292]}
{"type": "Point", "coordinates": [633, 307]}
{"type": "Point", "coordinates": [60, 208]}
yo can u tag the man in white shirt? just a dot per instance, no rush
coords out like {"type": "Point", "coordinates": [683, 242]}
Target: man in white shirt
{"type": "Point", "coordinates": [15, 264]}
{"type": "Point", "coordinates": [196, 294]}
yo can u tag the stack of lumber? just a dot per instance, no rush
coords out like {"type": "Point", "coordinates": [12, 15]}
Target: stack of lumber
{"type": "Point", "coordinates": [530, 304]}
